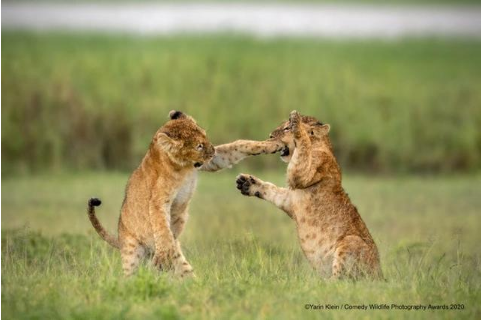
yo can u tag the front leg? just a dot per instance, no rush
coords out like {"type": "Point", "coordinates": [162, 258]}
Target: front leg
{"type": "Point", "coordinates": [167, 254]}
{"type": "Point", "coordinates": [251, 186]}
{"type": "Point", "coordinates": [229, 154]}
{"type": "Point", "coordinates": [300, 169]}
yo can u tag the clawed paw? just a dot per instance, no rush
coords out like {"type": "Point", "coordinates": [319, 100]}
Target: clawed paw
{"type": "Point", "coordinates": [268, 146]}
{"type": "Point", "coordinates": [247, 184]}
{"type": "Point", "coordinates": [274, 146]}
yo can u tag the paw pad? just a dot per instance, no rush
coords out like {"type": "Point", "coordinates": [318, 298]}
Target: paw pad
{"type": "Point", "coordinates": [244, 183]}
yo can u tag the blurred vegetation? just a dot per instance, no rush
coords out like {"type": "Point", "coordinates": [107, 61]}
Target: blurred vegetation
{"type": "Point", "coordinates": [94, 102]}
{"type": "Point", "coordinates": [343, 2]}
{"type": "Point", "coordinates": [245, 252]}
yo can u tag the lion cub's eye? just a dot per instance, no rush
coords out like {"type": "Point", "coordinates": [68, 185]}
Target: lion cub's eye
{"type": "Point", "coordinates": [286, 129]}
{"type": "Point", "coordinates": [200, 147]}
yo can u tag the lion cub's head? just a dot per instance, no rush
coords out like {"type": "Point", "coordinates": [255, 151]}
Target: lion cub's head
{"type": "Point", "coordinates": [184, 141]}
{"type": "Point", "coordinates": [317, 131]}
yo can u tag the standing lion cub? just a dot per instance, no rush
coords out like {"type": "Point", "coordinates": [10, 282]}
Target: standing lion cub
{"type": "Point", "coordinates": [333, 236]}
{"type": "Point", "coordinates": [155, 207]}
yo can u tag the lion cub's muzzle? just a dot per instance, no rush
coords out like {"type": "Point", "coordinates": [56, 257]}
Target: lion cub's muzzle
{"type": "Point", "coordinates": [208, 155]}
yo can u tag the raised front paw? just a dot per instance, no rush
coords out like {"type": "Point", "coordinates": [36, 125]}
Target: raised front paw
{"type": "Point", "coordinates": [248, 185]}
{"type": "Point", "coordinates": [295, 122]}
{"type": "Point", "coordinates": [265, 147]}
{"type": "Point", "coordinates": [274, 146]}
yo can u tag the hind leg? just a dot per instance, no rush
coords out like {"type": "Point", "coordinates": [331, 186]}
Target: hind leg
{"type": "Point", "coordinates": [132, 253]}
{"type": "Point", "coordinates": [350, 259]}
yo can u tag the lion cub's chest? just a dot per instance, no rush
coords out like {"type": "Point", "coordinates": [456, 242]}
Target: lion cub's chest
{"type": "Point", "coordinates": [185, 191]}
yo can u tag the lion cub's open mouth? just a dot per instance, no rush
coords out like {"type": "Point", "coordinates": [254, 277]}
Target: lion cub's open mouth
{"type": "Point", "coordinates": [285, 152]}
{"type": "Point", "coordinates": [198, 164]}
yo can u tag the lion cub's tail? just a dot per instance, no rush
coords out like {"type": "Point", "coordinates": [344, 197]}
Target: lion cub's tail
{"type": "Point", "coordinates": [113, 241]}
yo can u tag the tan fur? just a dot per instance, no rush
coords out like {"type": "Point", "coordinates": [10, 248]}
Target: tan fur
{"type": "Point", "coordinates": [333, 236]}
{"type": "Point", "coordinates": [229, 154]}
{"type": "Point", "coordinates": [155, 207]}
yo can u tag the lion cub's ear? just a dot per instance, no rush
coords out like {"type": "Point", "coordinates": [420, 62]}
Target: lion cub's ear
{"type": "Point", "coordinates": [320, 130]}
{"type": "Point", "coordinates": [178, 115]}
{"type": "Point", "coordinates": [165, 141]}
{"type": "Point", "coordinates": [174, 115]}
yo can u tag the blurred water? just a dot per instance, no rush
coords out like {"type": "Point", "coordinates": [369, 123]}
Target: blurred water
{"type": "Point", "coordinates": [269, 19]}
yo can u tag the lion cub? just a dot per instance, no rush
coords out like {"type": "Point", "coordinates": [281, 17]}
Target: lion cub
{"type": "Point", "coordinates": [332, 234]}
{"type": "Point", "coordinates": [155, 207]}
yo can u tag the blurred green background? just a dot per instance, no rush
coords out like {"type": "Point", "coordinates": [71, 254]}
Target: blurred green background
{"type": "Point", "coordinates": [93, 102]}
{"type": "Point", "coordinates": [79, 111]}
{"type": "Point", "coordinates": [343, 2]}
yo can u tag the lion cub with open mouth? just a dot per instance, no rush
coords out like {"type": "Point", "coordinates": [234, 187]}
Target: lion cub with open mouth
{"type": "Point", "coordinates": [155, 207]}
{"type": "Point", "coordinates": [333, 236]}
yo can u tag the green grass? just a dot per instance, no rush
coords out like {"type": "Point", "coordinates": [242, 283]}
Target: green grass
{"type": "Point", "coordinates": [81, 101]}
{"type": "Point", "coordinates": [244, 251]}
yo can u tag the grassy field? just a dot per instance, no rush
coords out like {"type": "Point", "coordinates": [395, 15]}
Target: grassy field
{"type": "Point", "coordinates": [76, 101]}
{"type": "Point", "coordinates": [82, 101]}
{"type": "Point", "coordinates": [245, 252]}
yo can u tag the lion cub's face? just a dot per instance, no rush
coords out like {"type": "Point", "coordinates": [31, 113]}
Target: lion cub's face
{"type": "Point", "coordinates": [315, 129]}
{"type": "Point", "coordinates": [185, 142]}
